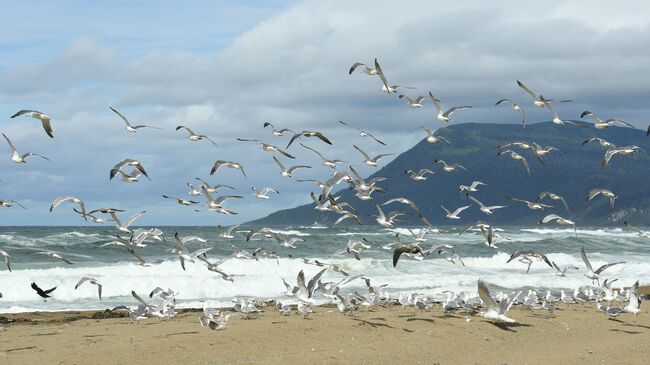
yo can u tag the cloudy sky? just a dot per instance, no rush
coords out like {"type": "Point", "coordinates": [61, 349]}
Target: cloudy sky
{"type": "Point", "coordinates": [225, 67]}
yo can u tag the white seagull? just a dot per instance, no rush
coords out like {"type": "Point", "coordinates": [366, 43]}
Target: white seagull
{"type": "Point", "coordinates": [17, 157]}
{"type": "Point", "coordinates": [445, 116]}
{"type": "Point", "coordinates": [45, 120]}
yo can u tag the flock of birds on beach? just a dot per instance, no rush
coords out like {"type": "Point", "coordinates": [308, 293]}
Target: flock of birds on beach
{"type": "Point", "coordinates": [302, 296]}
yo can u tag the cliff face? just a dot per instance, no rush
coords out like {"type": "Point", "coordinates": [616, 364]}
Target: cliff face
{"type": "Point", "coordinates": [571, 172]}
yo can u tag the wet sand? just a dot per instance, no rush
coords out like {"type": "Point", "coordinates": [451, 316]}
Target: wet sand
{"type": "Point", "coordinates": [395, 335]}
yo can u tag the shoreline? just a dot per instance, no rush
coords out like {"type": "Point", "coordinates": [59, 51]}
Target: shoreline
{"type": "Point", "coordinates": [571, 334]}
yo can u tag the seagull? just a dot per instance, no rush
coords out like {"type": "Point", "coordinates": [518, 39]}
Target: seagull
{"type": "Point", "coordinates": [57, 256]}
{"type": "Point", "coordinates": [263, 193]}
{"type": "Point", "coordinates": [211, 188]}
{"type": "Point", "coordinates": [602, 142]}
{"type": "Point", "coordinates": [8, 203]}
{"type": "Point", "coordinates": [195, 137]}
{"type": "Point", "coordinates": [556, 118]}
{"type": "Point", "coordinates": [364, 68]}
{"type": "Point", "coordinates": [432, 138]}
{"type": "Point", "coordinates": [634, 305]}
{"type": "Point", "coordinates": [445, 116]}
{"type": "Point", "coordinates": [229, 164]}
{"type": "Point", "coordinates": [639, 232]}
{"type": "Point", "coordinates": [562, 272]}
{"type": "Point", "coordinates": [129, 127]}
{"type": "Point", "coordinates": [409, 249]}
{"type": "Point", "coordinates": [591, 274]}
{"type": "Point", "coordinates": [531, 205]}
{"type": "Point", "coordinates": [227, 231]}
{"type": "Point", "coordinates": [354, 247]}
{"type": "Point", "coordinates": [384, 220]}
{"type": "Point", "coordinates": [124, 227]}
{"type": "Point", "coordinates": [128, 162]}
{"type": "Point", "coordinates": [216, 204]}
{"type": "Point", "coordinates": [539, 100]}
{"type": "Point", "coordinates": [42, 293]}
{"type": "Point", "coordinates": [604, 192]}
{"type": "Point", "coordinates": [450, 168]}
{"type": "Point", "coordinates": [45, 120]}
{"type": "Point", "coordinates": [326, 162]}
{"type": "Point", "coordinates": [559, 220]}
{"type": "Point", "coordinates": [7, 259]}
{"type": "Point", "coordinates": [59, 200]}
{"type": "Point", "coordinates": [267, 147]}
{"type": "Point", "coordinates": [371, 161]}
{"type": "Point", "coordinates": [453, 215]}
{"type": "Point", "coordinates": [530, 253]}
{"type": "Point", "coordinates": [600, 124]}
{"type": "Point", "coordinates": [496, 312]}
{"type": "Point", "coordinates": [180, 200]}
{"type": "Point", "coordinates": [418, 175]}
{"type": "Point", "coordinates": [553, 196]}
{"type": "Point", "coordinates": [289, 173]}
{"type": "Point", "coordinates": [286, 242]}
{"type": "Point", "coordinates": [472, 188]}
{"type": "Point", "coordinates": [130, 177]}
{"type": "Point", "coordinates": [516, 107]}
{"type": "Point", "coordinates": [624, 151]}
{"type": "Point", "coordinates": [515, 156]}
{"type": "Point", "coordinates": [17, 157]}
{"type": "Point", "coordinates": [305, 292]}
{"type": "Point", "coordinates": [542, 151]}
{"type": "Point", "coordinates": [277, 132]}
{"type": "Point", "coordinates": [316, 134]}
{"type": "Point", "coordinates": [417, 103]}
{"type": "Point", "coordinates": [363, 133]}
{"type": "Point", "coordinates": [485, 209]}
{"type": "Point", "coordinates": [91, 281]}
{"type": "Point", "coordinates": [385, 87]}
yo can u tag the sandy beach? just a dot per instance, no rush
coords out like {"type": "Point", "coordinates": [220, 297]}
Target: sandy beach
{"type": "Point", "coordinates": [571, 334]}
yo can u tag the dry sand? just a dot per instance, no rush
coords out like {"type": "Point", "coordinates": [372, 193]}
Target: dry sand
{"type": "Point", "coordinates": [571, 334]}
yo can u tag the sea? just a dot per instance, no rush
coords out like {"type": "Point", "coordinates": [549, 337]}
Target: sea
{"type": "Point", "coordinates": [119, 273]}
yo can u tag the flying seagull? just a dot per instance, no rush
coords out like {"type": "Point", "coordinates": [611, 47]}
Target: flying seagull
{"type": "Point", "coordinates": [277, 132]}
{"type": "Point", "coordinates": [450, 168]}
{"type": "Point", "coordinates": [604, 192]}
{"type": "Point", "coordinates": [263, 193]}
{"type": "Point", "coordinates": [228, 164]}
{"type": "Point", "coordinates": [539, 100]}
{"type": "Point", "coordinates": [600, 124]}
{"type": "Point", "coordinates": [515, 156]}
{"type": "Point", "coordinates": [472, 188]}
{"type": "Point", "coordinates": [432, 138]}
{"type": "Point", "coordinates": [553, 196]}
{"type": "Point", "coordinates": [623, 151]}
{"type": "Point", "coordinates": [289, 172]}
{"type": "Point", "coordinates": [129, 127]}
{"type": "Point", "coordinates": [591, 273]}
{"type": "Point", "coordinates": [602, 142]}
{"type": "Point", "coordinates": [130, 163]}
{"type": "Point", "coordinates": [326, 162]}
{"type": "Point", "coordinates": [496, 312]}
{"type": "Point", "coordinates": [195, 137]}
{"type": "Point", "coordinates": [536, 205]}
{"type": "Point", "coordinates": [45, 120]}
{"type": "Point", "coordinates": [453, 215]}
{"type": "Point", "coordinates": [363, 133]}
{"type": "Point", "coordinates": [180, 200]}
{"type": "Point", "coordinates": [91, 281]}
{"type": "Point", "coordinates": [445, 116]}
{"type": "Point", "coordinates": [364, 68]}
{"type": "Point", "coordinates": [530, 253]}
{"type": "Point", "coordinates": [17, 157]}
{"type": "Point", "coordinates": [267, 147]}
{"type": "Point", "coordinates": [7, 203]}
{"type": "Point", "coordinates": [61, 199]}
{"type": "Point", "coordinates": [371, 161]}
{"type": "Point", "coordinates": [385, 87]}
{"type": "Point", "coordinates": [417, 103]}
{"type": "Point", "coordinates": [559, 220]}
{"type": "Point", "coordinates": [316, 134]}
{"type": "Point", "coordinates": [516, 107]}
{"type": "Point", "coordinates": [485, 209]}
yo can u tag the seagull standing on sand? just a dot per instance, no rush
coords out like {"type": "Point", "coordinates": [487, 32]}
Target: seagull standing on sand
{"type": "Point", "coordinates": [45, 120]}
{"type": "Point", "coordinates": [17, 157]}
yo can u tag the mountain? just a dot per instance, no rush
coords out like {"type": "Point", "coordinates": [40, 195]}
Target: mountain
{"type": "Point", "coordinates": [572, 172]}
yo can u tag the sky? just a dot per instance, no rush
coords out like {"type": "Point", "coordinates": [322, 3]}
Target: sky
{"type": "Point", "coordinates": [223, 68]}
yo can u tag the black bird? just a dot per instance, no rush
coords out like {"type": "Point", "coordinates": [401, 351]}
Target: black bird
{"type": "Point", "coordinates": [404, 249]}
{"type": "Point", "coordinates": [41, 292]}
